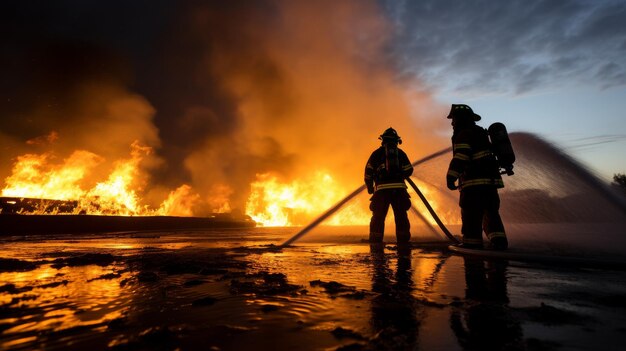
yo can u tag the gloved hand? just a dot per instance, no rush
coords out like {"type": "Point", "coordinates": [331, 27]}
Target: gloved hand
{"type": "Point", "coordinates": [370, 189]}
{"type": "Point", "coordinates": [450, 184]}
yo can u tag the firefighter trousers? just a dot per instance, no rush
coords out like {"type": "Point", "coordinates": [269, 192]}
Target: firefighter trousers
{"type": "Point", "coordinates": [480, 206]}
{"type": "Point", "coordinates": [400, 202]}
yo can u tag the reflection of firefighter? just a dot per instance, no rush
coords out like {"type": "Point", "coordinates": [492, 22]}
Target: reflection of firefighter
{"type": "Point", "coordinates": [395, 312]}
{"type": "Point", "coordinates": [484, 321]}
{"type": "Point", "coordinates": [385, 172]}
{"type": "Point", "coordinates": [477, 171]}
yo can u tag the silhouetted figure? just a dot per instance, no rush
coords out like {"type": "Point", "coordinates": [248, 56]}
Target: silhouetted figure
{"type": "Point", "coordinates": [475, 167]}
{"type": "Point", "coordinates": [385, 172]}
{"type": "Point", "coordinates": [394, 310]}
{"type": "Point", "coordinates": [485, 321]}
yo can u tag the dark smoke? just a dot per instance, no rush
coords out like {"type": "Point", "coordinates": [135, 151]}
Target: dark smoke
{"type": "Point", "coordinates": [67, 71]}
{"type": "Point", "coordinates": [223, 90]}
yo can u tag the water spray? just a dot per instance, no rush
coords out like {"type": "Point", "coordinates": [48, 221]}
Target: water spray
{"type": "Point", "coordinates": [357, 191]}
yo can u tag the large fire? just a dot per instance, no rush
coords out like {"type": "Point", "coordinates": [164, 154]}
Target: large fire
{"type": "Point", "coordinates": [37, 176]}
{"type": "Point", "coordinates": [295, 203]}
{"type": "Point", "coordinates": [272, 201]}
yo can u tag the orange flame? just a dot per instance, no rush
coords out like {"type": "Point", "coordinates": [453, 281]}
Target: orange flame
{"type": "Point", "coordinates": [116, 195]}
{"type": "Point", "coordinates": [36, 176]}
{"type": "Point", "coordinates": [179, 202]}
{"type": "Point", "coordinates": [273, 203]}
{"type": "Point", "coordinates": [270, 203]}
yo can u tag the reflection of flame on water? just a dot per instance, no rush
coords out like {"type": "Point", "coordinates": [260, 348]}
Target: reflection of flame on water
{"type": "Point", "coordinates": [274, 203]}
{"type": "Point", "coordinates": [92, 300]}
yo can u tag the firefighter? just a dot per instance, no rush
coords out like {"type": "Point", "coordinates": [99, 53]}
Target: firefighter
{"type": "Point", "coordinates": [478, 175]}
{"type": "Point", "coordinates": [385, 172]}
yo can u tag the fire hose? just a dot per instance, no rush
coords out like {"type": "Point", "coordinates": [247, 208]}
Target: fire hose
{"type": "Point", "coordinates": [432, 212]}
{"type": "Point", "coordinates": [357, 191]}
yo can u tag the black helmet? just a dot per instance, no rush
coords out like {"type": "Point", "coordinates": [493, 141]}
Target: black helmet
{"type": "Point", "coordinates": [460, 110]}
{"type": "Point", "coordinates": [390, 134]}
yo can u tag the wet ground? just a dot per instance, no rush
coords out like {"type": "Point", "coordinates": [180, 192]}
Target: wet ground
{"type": "Point", "coordinates": [235, 290]}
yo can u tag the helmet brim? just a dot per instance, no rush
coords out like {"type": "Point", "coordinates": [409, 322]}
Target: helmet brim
{"type": "Point", "coordinates": [474, 116]}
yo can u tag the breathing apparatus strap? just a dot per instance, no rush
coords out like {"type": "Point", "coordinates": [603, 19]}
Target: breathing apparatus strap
{"type": "Point", "coordinates": [392, 163]}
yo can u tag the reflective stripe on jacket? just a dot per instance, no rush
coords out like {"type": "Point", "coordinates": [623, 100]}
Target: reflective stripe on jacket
{"type": "Point", "coordinates": [472, 162]}
{"type": "Point", "coordinates": [378, 177]}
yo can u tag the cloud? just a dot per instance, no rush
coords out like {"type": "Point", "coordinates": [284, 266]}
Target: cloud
{"type": "Point", "coordinates": [510, 47]}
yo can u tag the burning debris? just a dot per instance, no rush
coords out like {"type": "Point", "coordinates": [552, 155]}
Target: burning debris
{"type": "Point", "coordinates": [17, 205]}
{"type": "Point", "coordinates": [36, 177]}
{"type": "Point", "coordinates": [38, 186]}
{"type": "Point", "coordinates": [233, 122]}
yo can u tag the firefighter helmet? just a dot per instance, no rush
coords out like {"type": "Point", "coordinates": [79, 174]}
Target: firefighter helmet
{"type": "Point", "coordinates": [460, 110]}
{"type": "Point", "coordinates": [390, 134]}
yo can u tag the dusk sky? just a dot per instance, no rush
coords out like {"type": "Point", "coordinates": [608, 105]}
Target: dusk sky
{"type": "Point", "coordinates": [198, 80]}
{"type": "Point", "coordinates": [554, 68]}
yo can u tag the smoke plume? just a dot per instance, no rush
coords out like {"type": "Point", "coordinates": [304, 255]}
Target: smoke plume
{"type": "Point", "coordinates": [223, 91]}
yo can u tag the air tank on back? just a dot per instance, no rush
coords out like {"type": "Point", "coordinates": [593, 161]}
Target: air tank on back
{"type": "Point", "coordinates": [501, 147]}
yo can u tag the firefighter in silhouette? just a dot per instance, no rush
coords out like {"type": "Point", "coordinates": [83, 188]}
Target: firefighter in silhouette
{"type": "Point", "coordinates": [478, 175]}
{"type": "Point", "coordinates": [385, 172]}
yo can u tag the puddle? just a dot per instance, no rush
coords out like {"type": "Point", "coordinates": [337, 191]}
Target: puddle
{"type": "Point", "coordinates": [231, 290]}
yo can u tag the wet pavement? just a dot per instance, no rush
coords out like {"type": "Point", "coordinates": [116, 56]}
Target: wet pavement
{"type": "Point", "coordinates": [236, 289]}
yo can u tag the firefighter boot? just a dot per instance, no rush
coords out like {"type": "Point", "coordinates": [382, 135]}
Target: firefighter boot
{"type": "Point", "coordinates": [471, 243]}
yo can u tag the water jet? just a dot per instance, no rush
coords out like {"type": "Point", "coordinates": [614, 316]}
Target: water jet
{"type": "Point", "coordinates": [552, 207]}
